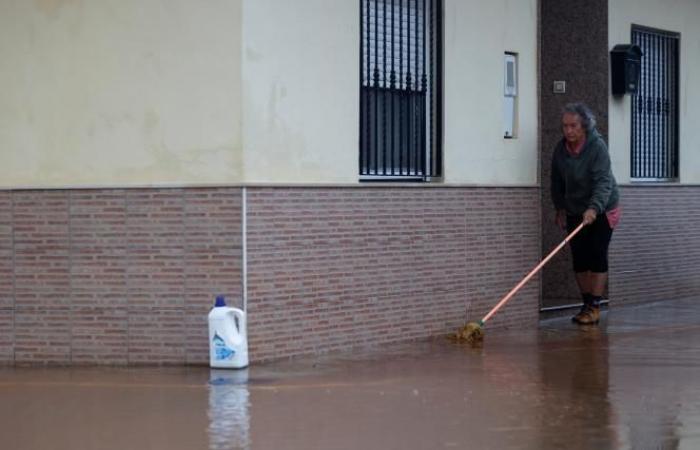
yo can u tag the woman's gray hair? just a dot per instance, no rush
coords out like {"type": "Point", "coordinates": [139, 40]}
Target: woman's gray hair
{"type": "Point", "coordinates": [584, 112]}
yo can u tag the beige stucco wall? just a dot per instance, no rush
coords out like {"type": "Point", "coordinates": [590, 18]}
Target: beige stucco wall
{"type": "Point", "coordinates": [301, 91]}
{"type": "Point", "coordinates": [119, 92]}
{"type": "Point", "coordinates": [680, 16]}
{"type": "Point", "coordinates": [175, 92]}
{"type": "Point", "coordinates": [477, 33]}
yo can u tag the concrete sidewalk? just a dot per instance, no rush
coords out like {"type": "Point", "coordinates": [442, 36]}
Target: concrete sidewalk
{"type": "Point", "coordinates": [632, 382]}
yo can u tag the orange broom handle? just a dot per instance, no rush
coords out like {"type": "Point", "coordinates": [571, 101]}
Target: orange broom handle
{"type": "Point", "coordinates": [531, 274]}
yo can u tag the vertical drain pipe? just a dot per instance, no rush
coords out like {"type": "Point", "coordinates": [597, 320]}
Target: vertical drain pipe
{"type": "Point", "coordinates": [244, 247]}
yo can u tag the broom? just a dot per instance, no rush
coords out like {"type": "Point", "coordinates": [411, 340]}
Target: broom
{"type": "Point", "coordinates": [474, 331]}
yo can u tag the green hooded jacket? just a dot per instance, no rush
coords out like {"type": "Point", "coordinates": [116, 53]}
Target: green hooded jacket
{"type": "Point", "coordinates": [586, 180]}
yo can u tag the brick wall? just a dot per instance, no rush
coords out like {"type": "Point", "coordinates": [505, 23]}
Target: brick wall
{"type": "Point", "coordinates": [127, 276]}
{"type": "Point", "coordinates": [115, 276]}
{"type": "Point", "coordinates": [42, 276]}
{"type": "Point", "coordinates": [7, 285]}
{"type": "Point", "coordinates": [329, 269]}
{"type": "Point", "coordinates": [655, 251]}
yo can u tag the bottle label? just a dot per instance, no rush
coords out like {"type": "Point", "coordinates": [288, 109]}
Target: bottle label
{"type": "Point", "coordinates": [221, 351]}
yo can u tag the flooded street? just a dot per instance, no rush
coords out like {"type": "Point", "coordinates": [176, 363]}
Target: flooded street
{"type": "Point", "coordinates": [633, 382]}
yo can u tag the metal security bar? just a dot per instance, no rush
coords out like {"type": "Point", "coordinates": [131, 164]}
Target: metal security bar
{"type": "Point", "coordinates": [400, 89]}
{"type": "Point", "coordinates": [655, 107]}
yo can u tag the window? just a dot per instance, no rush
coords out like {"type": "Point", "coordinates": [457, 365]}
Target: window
{"type": "Point", "coordinates": [400, 89]}
{"type": "Point", "coordinates": [655, 107]}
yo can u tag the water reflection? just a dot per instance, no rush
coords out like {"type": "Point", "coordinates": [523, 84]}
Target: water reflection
{"type": "Point", "coordinates": [648, 387]}
{"type": "Point", "coordinates": [575, 382]}
{"type": "Point", "coordinates": [229, 405]}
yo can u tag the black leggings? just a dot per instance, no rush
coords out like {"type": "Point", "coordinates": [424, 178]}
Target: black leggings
{"type": "Point", "coordinates": [590, 246]}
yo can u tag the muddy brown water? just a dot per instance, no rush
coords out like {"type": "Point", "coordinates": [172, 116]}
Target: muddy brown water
{"type": "Point", "coordinates": [632, 382]}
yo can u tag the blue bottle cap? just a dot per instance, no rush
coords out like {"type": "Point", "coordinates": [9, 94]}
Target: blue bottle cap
{"type": "Point", "coordinates": [220, 301]}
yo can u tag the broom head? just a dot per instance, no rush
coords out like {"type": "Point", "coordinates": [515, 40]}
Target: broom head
{"type": "Point", "coordinates": [471, 332]}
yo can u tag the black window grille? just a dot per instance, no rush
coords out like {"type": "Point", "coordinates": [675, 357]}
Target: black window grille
{"type": "Point", "coordinates": [655, 106]}
{"type": "Point", "coordinates": [400, 89]}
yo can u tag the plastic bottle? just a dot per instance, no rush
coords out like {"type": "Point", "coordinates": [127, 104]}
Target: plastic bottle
{"type": "Point", "coordinates": [228, 343]}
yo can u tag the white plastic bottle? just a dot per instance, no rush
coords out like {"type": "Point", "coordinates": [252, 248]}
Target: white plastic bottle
{"type": "Point", "coordinates": [228, 343]}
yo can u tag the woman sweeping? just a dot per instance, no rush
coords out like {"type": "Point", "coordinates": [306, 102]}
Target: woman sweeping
{"type": "Point", "coordinates": [585, 197]}
{"type": "Point", "coordinates": [584, 191]}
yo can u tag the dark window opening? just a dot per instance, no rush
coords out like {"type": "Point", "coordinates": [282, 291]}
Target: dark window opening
{"type": "Point", "coordinates": [655, 106]}
{"type": "Point", "coordinates": [400, 89]}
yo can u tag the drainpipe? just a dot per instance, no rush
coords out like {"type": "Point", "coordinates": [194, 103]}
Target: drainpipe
{"type": "Point", "coordinates": [244, 245]}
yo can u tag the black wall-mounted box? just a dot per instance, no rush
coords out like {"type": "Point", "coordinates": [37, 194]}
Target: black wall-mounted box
{"type": "Point", "coordinates": [625, 68]}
